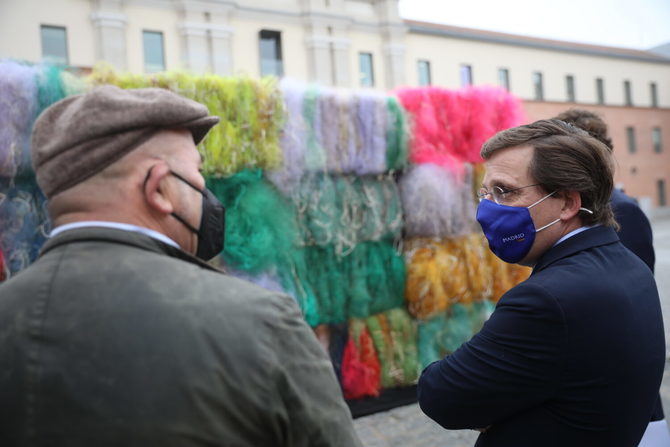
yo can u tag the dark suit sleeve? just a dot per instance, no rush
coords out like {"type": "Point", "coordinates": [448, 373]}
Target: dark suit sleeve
{"type": "Point", "coordinates": [635, 232]}
{"type": "Point", "coordinates": [512, 364]}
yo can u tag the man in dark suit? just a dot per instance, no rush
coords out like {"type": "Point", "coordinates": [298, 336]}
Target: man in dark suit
{"type": "Point", "coordinates": [574, 355]}
{"type": "Point", "coordinates": [636, 235]}
{"type": "Point", "coordinates": [635, 229]}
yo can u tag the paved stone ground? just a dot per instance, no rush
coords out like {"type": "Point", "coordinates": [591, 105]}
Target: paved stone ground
{"type": "Point", "coordinates": [407, 426]}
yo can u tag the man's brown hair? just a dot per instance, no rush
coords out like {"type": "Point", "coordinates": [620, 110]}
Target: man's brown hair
{"type": "Point", "coordinates": [590, 122]}
{"type": "Point", "coordinates": [565, 158]}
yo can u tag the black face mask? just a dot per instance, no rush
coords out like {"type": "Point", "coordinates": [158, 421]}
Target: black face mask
{"type": "Point", "coordinates": [212, 224]}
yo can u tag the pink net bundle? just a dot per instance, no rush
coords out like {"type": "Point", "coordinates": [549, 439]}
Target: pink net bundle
{"type": "Point", "coordinates": [450, 126]}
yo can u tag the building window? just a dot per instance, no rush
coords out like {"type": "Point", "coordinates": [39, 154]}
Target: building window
{"type": "Point", "coordinates": [54, 44]}
{"type": "Point", "coordinates": [537, 86]}
{"type": "Point", "coordinates": [570, 88]}
{"type": "Point", "coordinates": [660, 185]}
{"type": "Point", "coordinates": [366, 71]}
{"type": "Point", "coordinates": [271, 56]}
{"type": "Point", "coordinates": [466, 75]}
{"type": "Point", "coordinates": [600, 90]}
{"type": "Point", "coordinates": [503, 78]}
{"type": "Point", "coordinates": [630, 136]}
{"type": "Point", "coordinates": [656, 138]}
{"type": "Point", "coordinates": [424, 73]}
{"type": "Point", "coordinates": [654, 94]}
{"type": "Point", "coordinates": [154, 55]}
{"type": "Point", "coordinates": [628, 93]}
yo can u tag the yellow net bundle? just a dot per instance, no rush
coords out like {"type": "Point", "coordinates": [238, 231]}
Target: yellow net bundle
{"type": "Point", "coordinates": [436, 276]}
{"type": "Point", "coordinates": [479, 270]}
{"type": "Point", "coordinates": [251, 112]}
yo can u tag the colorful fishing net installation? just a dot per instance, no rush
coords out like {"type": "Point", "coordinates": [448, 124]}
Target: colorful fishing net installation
{"type": "Point", "coordinates": [251, 112]}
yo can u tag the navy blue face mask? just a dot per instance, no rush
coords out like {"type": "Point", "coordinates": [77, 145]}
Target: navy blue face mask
{"type": "Point", "coordinates": [509, 229]}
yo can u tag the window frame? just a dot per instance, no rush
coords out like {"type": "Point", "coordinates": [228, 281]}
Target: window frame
{"type": "Point", "coordinates": [50, 58]}
{"type": "Point", "coordinates": [362, 55]}
{"type": "Point", "coordinates": [145, 33]}
{"type": "Point", "coordinates": [278, 61]}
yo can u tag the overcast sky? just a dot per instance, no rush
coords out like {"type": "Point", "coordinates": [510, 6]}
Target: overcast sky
{"type": "Point", "coordinates": [639, 24]}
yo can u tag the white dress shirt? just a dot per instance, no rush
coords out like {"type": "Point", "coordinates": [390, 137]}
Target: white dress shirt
{"type": "Point", "coordinates": [116, 225]}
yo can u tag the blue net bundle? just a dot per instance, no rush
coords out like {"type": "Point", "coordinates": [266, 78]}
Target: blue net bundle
{"type": "Point", "coordinates": [25, 91]}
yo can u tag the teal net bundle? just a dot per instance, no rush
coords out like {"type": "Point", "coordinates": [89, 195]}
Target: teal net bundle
{"type": "Point", "coordinates": [446, 332]}
{"type": "Point", "coordinates": [344, 211]}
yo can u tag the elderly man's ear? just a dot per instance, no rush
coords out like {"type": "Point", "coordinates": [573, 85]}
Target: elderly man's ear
{"type": "Point", "coordinates": [156, 190]}
{"type": "Point", "coordinates": [571, 205]}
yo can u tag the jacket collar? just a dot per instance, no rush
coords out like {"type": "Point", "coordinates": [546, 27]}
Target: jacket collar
{"type": "Point", "coordinates": [116, 236]}
{"type": "Point", "coordinates": [593, 237]}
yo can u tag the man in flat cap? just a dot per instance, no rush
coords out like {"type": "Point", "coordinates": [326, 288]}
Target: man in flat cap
{"type": "Point", "coordinates": [120, 334]}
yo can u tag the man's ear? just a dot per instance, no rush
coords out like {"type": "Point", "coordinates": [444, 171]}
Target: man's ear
{"type": "Point", "coordinates": [571, 205]}
{"type": "Point", "coordinates": [154, 189]}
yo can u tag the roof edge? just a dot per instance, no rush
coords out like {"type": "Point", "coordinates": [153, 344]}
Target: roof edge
{"type": "Point", "coordinates": [534, 42]}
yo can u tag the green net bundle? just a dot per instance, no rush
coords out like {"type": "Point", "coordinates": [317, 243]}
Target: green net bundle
{"type": "Point", "coordinates": [368, 280]}
{"type": "Point", "coordinates": [251, 112]}
{"type": "Point", "coordinates": [344, 210]}
{"type": "Point", "coordinates": [394, 336]}
{"type": "Point", "coordinates": [261, 230]}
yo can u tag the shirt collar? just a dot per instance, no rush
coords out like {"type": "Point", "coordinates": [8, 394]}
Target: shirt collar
{"type": "Point", "coordinates": [116, 225]}
{"type": "Point", "coordinates": [573, 233]}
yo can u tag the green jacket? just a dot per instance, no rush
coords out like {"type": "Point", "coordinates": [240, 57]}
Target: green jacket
{"type": "Point", "coordinates": [112, 338]}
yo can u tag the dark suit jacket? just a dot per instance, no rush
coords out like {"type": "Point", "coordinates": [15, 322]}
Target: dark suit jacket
{"type": "Point", "coordinates": [635, 233]}
{"type": "Point", "coordinates": [572, 357]}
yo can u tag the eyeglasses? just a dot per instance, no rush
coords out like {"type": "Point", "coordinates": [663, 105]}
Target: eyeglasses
{"type": "Point", "coordinates": [499, 194]}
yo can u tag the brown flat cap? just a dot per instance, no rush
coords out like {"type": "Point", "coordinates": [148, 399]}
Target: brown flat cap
{"type": "Point", "coordinates": [81, 135]}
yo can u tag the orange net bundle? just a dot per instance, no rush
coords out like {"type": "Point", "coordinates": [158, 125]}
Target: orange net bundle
{"type": "Point", "coordinates": [436, 276]}
{"type": "Point", "coordinates": [478, 267]}
{"type": "Point", "coordinates": [519, 273]}
{"type": "Point", "coordinates": [360, 366]}
{"type": "Point", "coordinates": [505, 276]}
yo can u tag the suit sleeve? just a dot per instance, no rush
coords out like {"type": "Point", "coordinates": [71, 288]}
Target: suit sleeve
{"type": "Point", "coordinates": [311, 402]}
{"type": "Point", "coordinates": [511, 365]}
{"type": "Point", "coordinates": [635, 232]}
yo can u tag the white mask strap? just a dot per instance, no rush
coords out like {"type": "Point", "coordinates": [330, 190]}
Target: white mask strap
{"type": "Point", "coordinates": [542, 199]}
{"type": "Point", "coordinates": [547, 226]}
{"type": "Point", "coordinates": [551, 223]}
